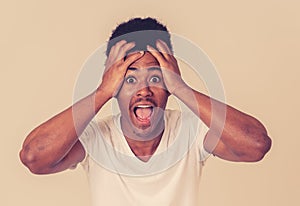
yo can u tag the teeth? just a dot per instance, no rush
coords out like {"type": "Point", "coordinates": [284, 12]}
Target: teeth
{"type": "Point", "coordinates": [144, 106]}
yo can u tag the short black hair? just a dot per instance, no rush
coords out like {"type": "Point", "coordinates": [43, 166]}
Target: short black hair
{"type": "Point", "coordinates": [142, 31]}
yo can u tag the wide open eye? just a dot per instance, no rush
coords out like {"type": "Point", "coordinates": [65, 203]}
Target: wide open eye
{"type": "Point", "coordinates": [155, 79]}
{"type": "Point", "coordinates": [130, 80]}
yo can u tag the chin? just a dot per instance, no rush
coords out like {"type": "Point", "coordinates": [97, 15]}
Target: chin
{"type": "Point", "coordinates": [147, 133]}
{"type": "Point", "coordinates": [149, 129]}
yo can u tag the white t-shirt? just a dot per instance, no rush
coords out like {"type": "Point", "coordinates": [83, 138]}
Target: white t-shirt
{"type": "Point", "coordinates": [170, 177]}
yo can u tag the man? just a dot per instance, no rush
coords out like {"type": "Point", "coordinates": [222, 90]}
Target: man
{"type": "Point", "coordinates": [147, 154]}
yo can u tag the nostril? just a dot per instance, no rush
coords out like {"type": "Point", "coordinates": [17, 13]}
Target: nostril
{"type": "Point", "coordinates": [145, 91]}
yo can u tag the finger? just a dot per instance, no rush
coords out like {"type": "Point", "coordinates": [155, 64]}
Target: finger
{"type": "Point", "coordinates": [160, 58]}
{"type": "Point", "coordinates": [115, 48]}
{"type": "Point", "coordinates": [124, 49]}
{"type": "Point", "coordinates": [165, 45]}
{"type": "Point", "coordinates": [113, 52]}
{"type": "Point", "coordinates": [118, 52]}
{"type": "Point", "coordinates": [167, 57]}
{"type": "Point", "coordinates": [164, 49]}
{"type": "Point", "coordinates": [132, 58]}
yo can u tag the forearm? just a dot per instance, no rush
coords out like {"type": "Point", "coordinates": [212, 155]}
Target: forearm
{"type": "Point", "coordinates": [243, 136]}
{"type": "Point", "coordinates": [50, 142]}
{"type": "Point", "coordinates": [232, 135]}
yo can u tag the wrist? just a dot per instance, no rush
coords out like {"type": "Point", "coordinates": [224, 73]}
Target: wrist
{"type": "Point", "coordinates": [177, 86]}
{"type": "Point", "coordinates": [104, 91]}
{"type": "Point", "coordinates": [102, 95]}
{"type": "Point", "coordinates": [181, 89]}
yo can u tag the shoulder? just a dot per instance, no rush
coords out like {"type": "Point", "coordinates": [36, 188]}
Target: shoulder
{"type": "Point", "coordinates": [172, 114]}
{"type": "Point", "coordinates": [97, 128]}
{"type": "Point", "coordinates": [106, 122]}
{"type": "Point", "coordinates": [185, 122]}
{"type": "Point", "coordinates": [103, 122]}
{"type": "Point", "coordinates": [184, 116]}
{"type": "Point", "coordinates": [177, 121]}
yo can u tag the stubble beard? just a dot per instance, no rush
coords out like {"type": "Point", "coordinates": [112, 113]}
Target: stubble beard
{"type": "Point", "coordinates": [144, 133]}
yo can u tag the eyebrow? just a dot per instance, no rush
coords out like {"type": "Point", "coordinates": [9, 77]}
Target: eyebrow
{"type": "Point", "coordinates": [154, 68]}
{"type": "Point", "coordinates": [149, 69]}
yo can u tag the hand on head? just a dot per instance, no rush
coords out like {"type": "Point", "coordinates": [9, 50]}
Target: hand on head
{"type": "Point", "coordinates": [116, 66]}
{"type": "Point", "coordinates": [169, 66]}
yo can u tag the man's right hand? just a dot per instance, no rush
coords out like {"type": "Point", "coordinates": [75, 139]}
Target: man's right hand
{"type": "Point", "coordinates": [53, 146]}
{"type": "Point", "coordinates": [116, 66]}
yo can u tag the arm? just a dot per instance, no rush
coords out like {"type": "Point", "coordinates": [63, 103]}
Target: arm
{"type": "Point", "coordinates": [54, 146]}
{"type": "Point", "coordinates": [241, 137]}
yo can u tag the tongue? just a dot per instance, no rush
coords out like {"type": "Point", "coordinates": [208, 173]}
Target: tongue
{"type": "Point", "coordinates": [143, 113]}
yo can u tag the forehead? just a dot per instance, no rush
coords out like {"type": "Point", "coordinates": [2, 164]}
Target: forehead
{"type": "Point", "coordinates": [145, 61]}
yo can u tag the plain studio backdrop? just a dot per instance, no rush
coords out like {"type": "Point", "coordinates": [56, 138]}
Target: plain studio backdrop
{"type": "Point", "coordinates": [254, 44]}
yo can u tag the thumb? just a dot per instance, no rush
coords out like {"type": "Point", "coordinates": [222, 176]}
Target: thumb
{"type": "Point", "coordinates": [132, 58]}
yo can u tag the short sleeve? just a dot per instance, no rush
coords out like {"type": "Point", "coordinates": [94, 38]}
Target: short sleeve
{"type": "Point", "coordinates": [197, 131]}
{"type": "Point", "coordinates": [203, 129]}
{"type": "Point", "coordinates": [88, 138]}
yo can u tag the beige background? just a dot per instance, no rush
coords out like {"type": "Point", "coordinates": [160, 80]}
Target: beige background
{"type": "Point", "coordinates": [254, 44]}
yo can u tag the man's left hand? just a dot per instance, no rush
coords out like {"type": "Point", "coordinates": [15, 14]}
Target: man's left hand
{"type": "Point", "coordinates": [169, 66]}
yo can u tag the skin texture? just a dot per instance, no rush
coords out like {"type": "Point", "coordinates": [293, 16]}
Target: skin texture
{"type": "Point", "coordinates": [243, 138]}
{"type": "Point", "coordinates": [143, 85]}
{"type": "Point", "coordinates": [54, 146]}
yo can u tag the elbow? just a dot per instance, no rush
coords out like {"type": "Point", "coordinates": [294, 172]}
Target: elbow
{"type": "Point", "coordinates": [30, 161]}
{"type": "Point", "coordinates": [260, 148]}
{"type": "Point", "coordinates": [26, 157]}
{"type": "Point", "coordinates": [265, 147]}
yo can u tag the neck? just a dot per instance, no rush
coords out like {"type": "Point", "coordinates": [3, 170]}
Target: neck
{"type": "Point", "coordinates": [143, 143]}
{"type": "Point", "coordinates": [144, 149]}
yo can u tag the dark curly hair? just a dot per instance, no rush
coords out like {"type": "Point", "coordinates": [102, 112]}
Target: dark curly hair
{"type": "Point", "coordinates": [142, 31]}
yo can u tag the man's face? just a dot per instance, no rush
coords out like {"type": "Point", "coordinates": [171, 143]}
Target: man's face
{"type": "Point", "coordinates": [142, 98]}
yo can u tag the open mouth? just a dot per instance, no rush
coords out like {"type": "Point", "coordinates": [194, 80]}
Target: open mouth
{"type": "Point", "coordinates": [143, 112]}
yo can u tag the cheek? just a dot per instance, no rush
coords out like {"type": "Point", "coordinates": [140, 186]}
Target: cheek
{"type": "Point", "coordinates": [128, 90]}
{"type": "Point", "coordinates": [125, 93]}
{"type": "Point", "coordinates": [162, 97]}
{"type": "Point", "coordinates": [124, 98]}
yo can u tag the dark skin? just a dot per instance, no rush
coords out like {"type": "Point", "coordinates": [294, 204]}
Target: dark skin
{"type": "Point", "coordinates": [143, 86]}
{"type": "Point", "coordinates": [54, 146]}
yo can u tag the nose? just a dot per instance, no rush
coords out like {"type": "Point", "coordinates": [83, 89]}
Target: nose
{"type": "Point", "coordinates": [144, 91]}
